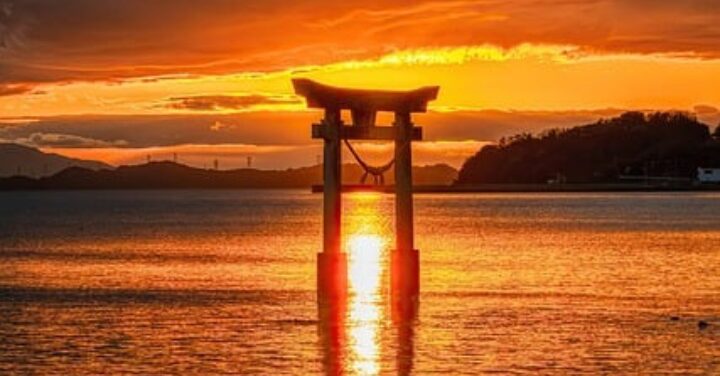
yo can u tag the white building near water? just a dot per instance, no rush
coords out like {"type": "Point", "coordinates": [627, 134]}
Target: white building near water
{"type": "Point", "coordinates": [708, 175]}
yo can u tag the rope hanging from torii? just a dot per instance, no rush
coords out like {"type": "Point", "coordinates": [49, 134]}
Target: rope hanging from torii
{"type": "Point", "coordinates": [377, 172]}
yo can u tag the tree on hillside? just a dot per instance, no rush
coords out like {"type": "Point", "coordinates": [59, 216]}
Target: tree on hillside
{"type": "Point", "coordinates": [660, 144]}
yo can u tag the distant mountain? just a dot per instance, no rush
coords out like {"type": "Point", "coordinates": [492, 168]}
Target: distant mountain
{"type": "Point", "coordinates": [631, 146]}
{"type": "Point", "coordinates": [18, 160]}
{"type": "Point", "coordinates": [157, 175]}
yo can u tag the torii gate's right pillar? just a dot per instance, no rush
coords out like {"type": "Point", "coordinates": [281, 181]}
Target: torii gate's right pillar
{"type": "Point", "coordinates": [405, 260]}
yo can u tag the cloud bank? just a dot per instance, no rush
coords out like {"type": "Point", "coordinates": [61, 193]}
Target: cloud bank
{"type": "Point", "coordinates": [68, 40]}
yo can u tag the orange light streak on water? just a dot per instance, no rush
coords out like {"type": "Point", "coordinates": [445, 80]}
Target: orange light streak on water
{"type": "Point", "coordinates": [367, 259]}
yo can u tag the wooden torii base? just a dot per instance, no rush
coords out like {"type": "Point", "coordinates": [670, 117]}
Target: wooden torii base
{"type": "Point", "coordinates": [363, 106]}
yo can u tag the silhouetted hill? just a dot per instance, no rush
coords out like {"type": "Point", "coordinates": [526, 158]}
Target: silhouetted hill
{"type": "Point", "coordinates": [634, 144]}
{"type": "Point", "coordinates": [25, 161]}
{"type": "Point", "coordinates": [157, 175]}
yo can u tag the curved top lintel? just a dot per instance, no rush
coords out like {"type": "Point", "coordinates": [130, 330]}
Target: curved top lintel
{"type": "Point", "coordinates": [330, 97]}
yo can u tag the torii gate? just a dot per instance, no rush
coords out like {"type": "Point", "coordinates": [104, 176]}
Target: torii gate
{"type": "Point", "coordinates": [364, 105]}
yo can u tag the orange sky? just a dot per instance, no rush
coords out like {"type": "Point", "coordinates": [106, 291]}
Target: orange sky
{"type": "Point", "coordinates": [117, 80]}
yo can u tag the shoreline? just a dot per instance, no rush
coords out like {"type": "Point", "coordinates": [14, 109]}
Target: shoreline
{"type": "Point", "coordinates": [529, 188]}
{"type": "Point", "coordinates": [349, 188]}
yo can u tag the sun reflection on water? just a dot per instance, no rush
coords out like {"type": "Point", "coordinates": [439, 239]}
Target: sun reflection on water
{"type": "Point", "coordinates": [367, 258]}
{"type": "Point", "coordinates": [365, 267]}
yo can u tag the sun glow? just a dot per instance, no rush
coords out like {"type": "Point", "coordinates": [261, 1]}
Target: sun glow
{"type": "Point", "coordinates": [367, 265]}
{"type": "Point", "coordinates": [365, 272]}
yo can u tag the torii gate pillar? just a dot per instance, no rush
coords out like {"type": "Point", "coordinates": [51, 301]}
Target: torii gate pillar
{"type": "Point", "coordinates": [364, 105]}
{"type": "Point", "coordinates": [332, 262]}
{"type": "Point", "coordinates": [405, 259]}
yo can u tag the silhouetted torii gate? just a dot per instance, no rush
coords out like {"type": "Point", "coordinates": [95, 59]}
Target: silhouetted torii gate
{"type": "Point", "coordinates": [363, 106]}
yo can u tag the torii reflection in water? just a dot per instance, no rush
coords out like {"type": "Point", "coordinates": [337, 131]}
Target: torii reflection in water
{"type": "Point", "coordinates": [355, 337]}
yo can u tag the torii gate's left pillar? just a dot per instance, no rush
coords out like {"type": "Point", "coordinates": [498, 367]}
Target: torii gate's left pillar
{"type": "Point", "coordinates": [332, 262]}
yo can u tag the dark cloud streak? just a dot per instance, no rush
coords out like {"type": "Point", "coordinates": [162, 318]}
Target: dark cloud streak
{"type": "Point", "coordinates": [7, 90]}
{"type": "Point", "coordinates": [227, 102]}
{"type": "Point", "coordinates": [281, 128]}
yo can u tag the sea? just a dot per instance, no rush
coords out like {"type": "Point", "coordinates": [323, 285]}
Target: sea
{"type": "Point", "coordinates": [203, 282]}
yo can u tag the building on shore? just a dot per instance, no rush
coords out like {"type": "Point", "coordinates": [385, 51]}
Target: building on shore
{"type": "Point", "coordinates": [708, 175]}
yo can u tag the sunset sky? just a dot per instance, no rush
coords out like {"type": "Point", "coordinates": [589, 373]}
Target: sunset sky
{"type": "Point", "coordinates": [117, 80]}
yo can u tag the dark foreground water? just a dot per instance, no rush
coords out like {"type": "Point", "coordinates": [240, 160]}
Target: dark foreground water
{"type": "Point", "coordinates": [205, 282]}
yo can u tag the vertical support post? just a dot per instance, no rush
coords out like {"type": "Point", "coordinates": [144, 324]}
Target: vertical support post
{"type": "Point", "coordinates": [405, 267]}
{"type": "Point", "coordinates": [332, 176]}
{"type": "Point", "coordinates": [403, 182]}
{"type": "Point", "coordinates": [332, 263]}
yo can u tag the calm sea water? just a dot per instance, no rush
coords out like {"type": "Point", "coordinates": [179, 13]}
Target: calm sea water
{"type": "Point", "coordinates": [205, 282]}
